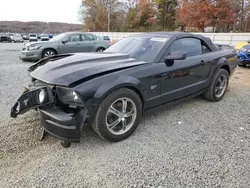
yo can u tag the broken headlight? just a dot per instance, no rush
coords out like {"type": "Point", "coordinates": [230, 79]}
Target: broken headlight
{"type": "Point", "coordinates": [70, 97]}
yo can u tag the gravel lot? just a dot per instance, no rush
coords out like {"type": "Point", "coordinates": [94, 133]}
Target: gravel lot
{"type": "Point", "coordinates": [193, 144]}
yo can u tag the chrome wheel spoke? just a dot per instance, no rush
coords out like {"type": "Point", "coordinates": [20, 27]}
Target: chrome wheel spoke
{"type": "Point", "coordinates": [217, 89]}
{"type": "Point", "coordinates": [114, 111]}
{"type": "Point", "coordinates": [223, 82]}
{"type": "Point", "coordinates": [124, 105]}
{"type": "Point", "coordinates": [129, 113]}
{"type": "Point", "coordinates": [114, 124]}
{"type": "Point", "coordinates": [124, 124]}
{"type": "Point", "coordinates": [220, 81]}
{"type": "Point", "coordinates": [221, 85]}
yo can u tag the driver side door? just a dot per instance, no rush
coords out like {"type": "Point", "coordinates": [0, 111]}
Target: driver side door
{"type": "Point", "coordinates": [188, 76]}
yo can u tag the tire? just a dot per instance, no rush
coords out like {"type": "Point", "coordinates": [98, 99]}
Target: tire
{"type": "Point", "coordinates": [100, 49]}
{"type": "Point", "coordinates": [242, 65]}
{"type": "Point", "coordinates": [48, 52]}
{"type": "Point", "coordinates": [100, 122]}
{"type": "Point", "coordinates": [212, 94]}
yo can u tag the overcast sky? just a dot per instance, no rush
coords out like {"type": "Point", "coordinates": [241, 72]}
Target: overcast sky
{"type": "Point", "coordinates": [40, 10]}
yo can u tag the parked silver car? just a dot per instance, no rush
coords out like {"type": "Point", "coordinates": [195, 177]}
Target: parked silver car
{"type": "Point", "coordinates": [17, 38]}
{"type": "Point", "coordinates": [71, 42]}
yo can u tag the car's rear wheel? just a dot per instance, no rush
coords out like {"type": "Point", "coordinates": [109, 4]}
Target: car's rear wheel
{"type": "Point", "coordinates": [218, 88]}
{"type": "Point", "coordinates": [100, 50]}
{"type": "Point", "coordinates": [118, 115]}
{"type": "Point", "coordinates": [243, 65]}
{"type": "Point", "coordinates": [48, 53]}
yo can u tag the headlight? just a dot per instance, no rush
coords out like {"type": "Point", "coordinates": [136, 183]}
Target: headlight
{"type": "Point", "coordinates": [18, 107]}
{"type": "Point", "coordinates": [33, 47]}
{"type": "Point", "coordinates": [41, 96]}
{"type": "Point", "coordinates": [68, 96]}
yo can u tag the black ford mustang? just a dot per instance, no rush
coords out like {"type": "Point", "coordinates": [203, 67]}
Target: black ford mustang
{"type": "Point", "coordinates": [110, 90]}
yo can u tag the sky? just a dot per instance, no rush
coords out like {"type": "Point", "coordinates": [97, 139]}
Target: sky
{"type": "Point", "coordinates": [40, 10]}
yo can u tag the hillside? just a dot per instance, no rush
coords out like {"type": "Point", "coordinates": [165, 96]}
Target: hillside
{"type": "Point", "coordinates": [37, 27]}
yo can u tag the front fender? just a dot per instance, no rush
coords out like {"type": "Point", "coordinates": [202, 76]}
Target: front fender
{"type": "Point", "coordinates": [122, 81]}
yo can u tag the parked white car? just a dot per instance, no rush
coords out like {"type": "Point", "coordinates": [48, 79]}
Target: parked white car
{"type": "Point", "coordinates": [33, 37]}
{"type": "Point", "coordinates": [17, 38]}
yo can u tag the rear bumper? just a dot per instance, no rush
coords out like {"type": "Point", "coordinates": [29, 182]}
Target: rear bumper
{"type": "Point", "coordinates": [63, 125]}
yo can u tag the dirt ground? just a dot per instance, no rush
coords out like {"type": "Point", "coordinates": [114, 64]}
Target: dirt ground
{"type": "Point", "coordinates": [241, 77]}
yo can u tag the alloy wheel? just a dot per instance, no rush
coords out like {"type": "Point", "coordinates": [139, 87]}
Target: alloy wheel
{"type": "Point", "coordinates": [121, 116]}
{"type": "Point", "coordinates": [221, 86]}
{"type": "Point", "coordinates": [49, 53]}
{"type": "Point", "coordinates": [100, 50]}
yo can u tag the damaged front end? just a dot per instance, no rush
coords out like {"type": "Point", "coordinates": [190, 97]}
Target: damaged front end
{"type": "Point", "coordinates": [61, 109]}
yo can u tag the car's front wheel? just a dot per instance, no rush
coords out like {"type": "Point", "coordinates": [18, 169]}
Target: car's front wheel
{"type": "Point", "coordinates": [100, 50]}
{"type": "Point", "coordinates": [218, 88]}
{"type": "Point", "coordinates": [118, 115]}
{"type": "Point", "coordinates": [48, 53]}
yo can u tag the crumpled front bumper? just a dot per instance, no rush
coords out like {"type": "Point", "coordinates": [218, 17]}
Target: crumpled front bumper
{"type": "Point", "coordinates": [56, 121]}
{"type": "Point", "coordinates": [63, 125]}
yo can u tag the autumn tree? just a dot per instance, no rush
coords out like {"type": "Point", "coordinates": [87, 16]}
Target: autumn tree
{"type": "Point", "coordinates": [223, 15]}
{"type": "Point", "coordinates": [166, 13]}
{"type": "Point", "coordinates": [146, 13]}
{"type": "Point", "coordinates": [131, 19]}
{"type": "Point", "coordinates": [95, 14]}
{"type": "Point", "coordinates": [203, 13]}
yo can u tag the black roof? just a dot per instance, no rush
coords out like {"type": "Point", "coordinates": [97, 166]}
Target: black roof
{"type": "Point", "coordinates": [171, 34]}
{"type": "Point", "coordinates": [178, 35]}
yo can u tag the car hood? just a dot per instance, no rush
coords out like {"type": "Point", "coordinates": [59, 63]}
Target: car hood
{"type": "Point", "coordinates": [67, 69]}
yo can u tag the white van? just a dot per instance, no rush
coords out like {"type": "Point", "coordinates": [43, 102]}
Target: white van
{"type": "Point", "coordinates": [33, 37]}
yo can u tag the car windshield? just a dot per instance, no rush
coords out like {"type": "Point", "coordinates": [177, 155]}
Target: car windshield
{"type": "Point", "coordinates": [58, 37]}
{"type": "Point", "coordinates": [141, 48]}
{"type": "Point", "coordinates": [32, 35]}
{"type": "Point", "coordinates": [44, 35]}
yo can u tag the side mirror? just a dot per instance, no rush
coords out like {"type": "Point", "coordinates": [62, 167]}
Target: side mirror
{"type": "Point", "coordinates": [169, 59]}
{"type": "Point", "coordinates": [176, 56]}
{"type": "Point", "coordinates": [64, 41]}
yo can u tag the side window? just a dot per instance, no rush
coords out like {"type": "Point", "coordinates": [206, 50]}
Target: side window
{"type": "Point", "coordinates": [191, 46]}
{"type": "Point", "coordinates": [88, 37]}
{"type": "Point", "coordinates": [74, 38]}
{"type": "Point", "coordinates": [176, 47]}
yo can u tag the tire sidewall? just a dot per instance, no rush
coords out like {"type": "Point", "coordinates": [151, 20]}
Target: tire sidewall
{"type": "Point", "coordinates": [220, 73]}
{"type": "Point", "coordinates": [43, 54]}
{"type": "Point", "coordinates": [102, 111]}
{"type": "Point", "coordinates": [98, 49]}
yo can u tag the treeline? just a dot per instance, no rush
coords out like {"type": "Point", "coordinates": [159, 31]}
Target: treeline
{"type": "Point", "coordinates": [37, 27]}
{"type": "Point", "coordinates": [153, 15]}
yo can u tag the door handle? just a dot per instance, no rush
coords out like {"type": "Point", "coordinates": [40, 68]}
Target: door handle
{"type": "Point", "coordinates": [78, 43]}
{"type": "Point", "coordinates": [203, 62]}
